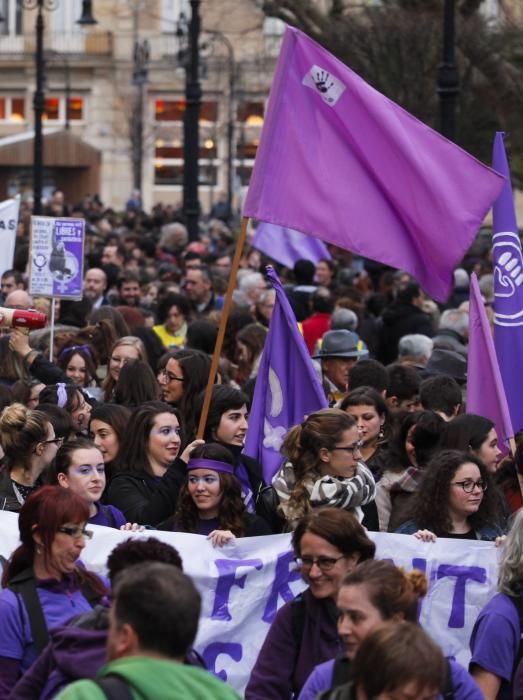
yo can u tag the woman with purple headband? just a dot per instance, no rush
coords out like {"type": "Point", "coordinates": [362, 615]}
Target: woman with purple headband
{"type": "Point", "coordinates": [70, 398]}
{"type": "Point", "coordinates": [79, 364]}
{"type": "Point", "coordinates": [210, 501]}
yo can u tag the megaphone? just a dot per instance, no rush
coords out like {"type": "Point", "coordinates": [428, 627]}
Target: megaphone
{"type": "Point", "coordinates": [19, 318]}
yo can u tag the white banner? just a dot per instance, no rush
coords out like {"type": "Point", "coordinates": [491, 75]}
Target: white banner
{"type": "Point", "coordinates": [245, 582]}
{"type": "Point", "coordinates": [8, 221]}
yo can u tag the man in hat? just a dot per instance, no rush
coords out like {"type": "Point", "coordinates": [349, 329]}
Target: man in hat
{"type": "Point", "coordinates": [339, 351]}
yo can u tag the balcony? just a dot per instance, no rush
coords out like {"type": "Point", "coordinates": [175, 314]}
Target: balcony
{"type": "Point", "coordinates": [89, 43]}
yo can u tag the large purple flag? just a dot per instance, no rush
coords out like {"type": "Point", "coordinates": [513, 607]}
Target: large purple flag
{"type": "Point", "coordinates": [508, 289]}
{"type": "Point", "coordinates": [287, 387]}
{"type": "Point", "coordinates": [340, 161]}
{"type": "Point", "coordinates": [485, 391]}
{"type": "Point", "coordinates": [286, 246]}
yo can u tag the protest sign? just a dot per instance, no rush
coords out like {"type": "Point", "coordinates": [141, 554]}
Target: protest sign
{"type": "Point", "coordinates": [56, 254]}
{"type": "Point", "coordinates": [8, 220]}
{"type": "Point", "coordinates": [244, 583]}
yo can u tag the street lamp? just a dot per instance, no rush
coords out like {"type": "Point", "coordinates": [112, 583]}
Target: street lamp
{"type": "Point", "coordinates": [193, 99]}
{"type": "Point", "coordinates": [448, 81]}
{"type": "Point", "coordinates": [140, 77]}
{"type": "Point", "coordinates": [39, 95]}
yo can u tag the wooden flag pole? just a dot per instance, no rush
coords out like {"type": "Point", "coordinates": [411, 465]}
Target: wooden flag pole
{"type": "Point", "coordinates": [223, 323]}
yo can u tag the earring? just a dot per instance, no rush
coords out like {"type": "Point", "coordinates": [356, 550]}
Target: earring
{"type": "Point", "coordinates": [38, 550]}
{"type": "Point", "coordinates": [381, 434]}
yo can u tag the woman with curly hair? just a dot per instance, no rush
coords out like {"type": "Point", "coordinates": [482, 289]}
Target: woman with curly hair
{"type": "Point", "coordinates": [79, 364]}
{"type": "Point", "coordinates": [324, 468]}
{"type": "Point", "coordinates": [455, 500]}
{"type": "Point", "coordinates": [210, 501]}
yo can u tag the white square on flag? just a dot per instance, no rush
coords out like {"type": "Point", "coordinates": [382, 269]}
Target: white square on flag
{"type": "Point", "coordinates": [328, 86]}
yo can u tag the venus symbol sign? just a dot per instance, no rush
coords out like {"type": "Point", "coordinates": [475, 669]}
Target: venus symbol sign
{"type": "Point", "coordinates": [508, 279]}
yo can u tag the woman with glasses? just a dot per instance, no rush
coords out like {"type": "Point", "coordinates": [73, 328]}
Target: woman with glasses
{"type": "Point", "coordinates": [375, 594]}
{"type": "Point", "coordinates": [79, 466]}
{"type": "Point", "coordinates": [127, 348]}
{"type": "Point", "coordinates": [454, 500]}
{"type": "Point", "coordinates": [328, 543]}
{"type": "Point", "coordinates": [44, 585]}
{"type": "Point", "coordinates": [210, 501]}
{"type": "Point", "coordinates": [369, 410]}
{"type": "Point", "coordinates": [183, 374]}
{"type": "Point", "coordinates": [29, 443]}
{"type": "Point", "coordinates": [149, 472]}
{"type": "Point", "coordinates": [324, 468]}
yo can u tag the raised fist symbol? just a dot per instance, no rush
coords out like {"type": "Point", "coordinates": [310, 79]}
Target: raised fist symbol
{"type": "Point", "coordinates": [509, 274]}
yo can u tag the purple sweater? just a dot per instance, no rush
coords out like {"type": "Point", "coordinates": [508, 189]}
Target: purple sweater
{"type": "Point", "coordinates": [320, 680]}
{"type": "Point", "coordinates": [283, 667]}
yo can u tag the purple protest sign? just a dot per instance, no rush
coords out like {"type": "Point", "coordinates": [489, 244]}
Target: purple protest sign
{"type": "Point", "coordinates": [57, 255]}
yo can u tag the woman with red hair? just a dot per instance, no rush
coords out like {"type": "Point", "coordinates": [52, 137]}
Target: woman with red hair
{"type": "Point", "coordinates": [44, 583]}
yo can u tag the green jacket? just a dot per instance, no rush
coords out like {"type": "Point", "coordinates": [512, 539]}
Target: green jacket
{"type": "Point", "coordinates": [155, 679]}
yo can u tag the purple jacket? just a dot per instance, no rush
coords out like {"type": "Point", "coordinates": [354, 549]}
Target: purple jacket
{"type": "Point", "coordinates": [283, 666]}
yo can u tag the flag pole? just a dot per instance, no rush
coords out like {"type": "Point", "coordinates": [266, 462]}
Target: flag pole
{"type": "Point", "coordinates": [223, 323]}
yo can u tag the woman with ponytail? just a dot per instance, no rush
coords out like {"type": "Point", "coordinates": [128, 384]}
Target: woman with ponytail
{"type": "Point", "coordinates": [44, 585]}
{"type": "Point", "coordinates": [373, 594]}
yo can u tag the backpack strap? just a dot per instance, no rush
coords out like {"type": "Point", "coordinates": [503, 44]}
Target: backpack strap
{"type": "Point", "coordinates": [517, 602]}
{"type": "Point", "coordinates": [114, 686]}
{"type": "Point", "coordinates": [341, 671]}
{"type": "Point", "coordinates": [447, 691]}
{"type": "Point", "coordinates": [109, 515]}
{"type": "Point", "coordinates": [24, 586]}
{"type": "Point", "coordinates": [298, 613]}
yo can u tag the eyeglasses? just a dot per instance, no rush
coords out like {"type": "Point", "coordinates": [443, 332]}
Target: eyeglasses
{"type": "Point", "coordinates": [351, 448]}
{"type": "Point", "coordinates": [57, 441]}
{"type": "Point", "coordinates": [170, 376]}
{"type": "Point", "coordinates": [76, 532]}
{"type": "Point", "coordinates": [468, 485]}
{"type": "Point", "coordinates": [323, 563]}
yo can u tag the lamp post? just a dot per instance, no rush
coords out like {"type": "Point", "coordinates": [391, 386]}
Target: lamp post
{"type": "Point", "coordinates": [193, 98]}
{"type": "Point", "coordinates": [140, 77]}
{"type": "Point", "coordinates": [39, 95]}
{"type": "Point", "coordinates": [448, 81]}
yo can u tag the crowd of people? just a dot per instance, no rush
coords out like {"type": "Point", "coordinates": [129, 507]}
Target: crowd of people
{"type": "Point", "coordinates": [105, 433]}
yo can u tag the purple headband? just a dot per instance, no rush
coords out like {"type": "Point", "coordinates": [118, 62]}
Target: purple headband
{"type": "Point", "coordinates": [71, 349]}
{"type": "Point", "coordinates": [61, 395]}
{"type": "Point", "coordinates": [202, 463]}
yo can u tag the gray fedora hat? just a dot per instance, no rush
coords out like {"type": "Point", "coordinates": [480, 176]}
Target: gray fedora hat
{"type": "Point", "coordinates": [449, 363]}
{"type": "Point", "coordinates": [341, 343]}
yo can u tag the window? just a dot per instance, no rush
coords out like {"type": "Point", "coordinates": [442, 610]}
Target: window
{"type": "Point", "coordinates": [12, 109]}
{"type": "Point", "coordinates": [250, 113]}
{"type": "Point", "coordinates": [11, 11]}
{"type": "Point", "coordinates": [170, 12]}
{"type": "Point", "coordinates": [65, 16]}
{"type": "Point", "coordinates": [54, 110]}
{"type": "Point", "coordinates": [75, 109]}
{"type": "Point", "coordinates": [174, 111]}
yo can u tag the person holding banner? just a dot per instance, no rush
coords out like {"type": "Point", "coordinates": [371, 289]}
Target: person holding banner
{"type": "Point", "coordinates": [455, 500]}
{"type": "Point", "coordinates": [324, 467]}
{"type": "Point", "coordinates": [328, 544]}
{"type": "Point", "coordinates": [374, 594]}
{"type": "Point", "coordinates": [210, 501]}
{"type": "Point", "coordinates": [44, 584]}
{"type": "Point", "coordinates": [496, 642]}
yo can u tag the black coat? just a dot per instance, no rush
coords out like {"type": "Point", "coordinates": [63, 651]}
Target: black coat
{"type": "Point", "coordinates": [399, 319]}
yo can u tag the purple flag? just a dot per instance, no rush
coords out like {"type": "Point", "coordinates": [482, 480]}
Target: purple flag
{"type": "Point", "coordinates": [508, 289]}
{"type": "Point", "coordinates": [286, 246]}
{"type": "Point", "coordinates": [342, 162]}
{"type": "Point", "coordinates": [485, 392]}
{"type": "Point", "coordinates": [287, 387]}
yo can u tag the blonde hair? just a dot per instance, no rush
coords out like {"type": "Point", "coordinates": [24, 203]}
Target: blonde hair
{"type": "Point", "coordinates": [20, 430]}
{"type": "Point", "coordinates": [131, 341]}
{"type": "Point", "coordinates": [302, 444]}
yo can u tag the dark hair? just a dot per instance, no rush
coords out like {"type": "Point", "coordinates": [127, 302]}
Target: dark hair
{"type": "Point", "coordinates": [170, 300]}
{"type": "Point", "coordinates": [114, 415]}
{"type": "Point", "coordinates": [440, 393]}
{"type": "Point", "coordinates": [127, 276]}
{"type": "Point", "coordinates": [466, 432]}
{"type": "Point", "coordinates": [64, 455]}
{"type": "Point", "coordinates": [44, 512]}
{"type": "Point", "coordinates": [430, 426]}
{"type": "Point", "coordinates": [232, 507]}
{"type": "Point", "coordinates": [431, 509]}
{"type": "Point", "coordinates": [339, 528]}
{"type": "Point", "coordinates": [402, 381]}
{"type": "Point", "coordinates": [136, 384]}
{"type": "Point", "coordinates": [133, 454]}
{"type": "Point", "coordinates": [50, 395]}
{"type": "Point", "coordinates": [304, 271]}
{"type": "Point", "coordinates": [201, 335]}
{"type": "Point", "coordinates": [196, 367]}
{"type": "Point", "coordinates": [396, 654]}
{"type": "Point", "coordinates": [366, 396]}
{"type": "Point", "coordinates": [322, 301]}
{"type": "Point", "coordinates": [223, 398]}
{"type": "Point", "coordinates": [368, 373]}
{"type": "Point", "coordinates": [162, 606]}
{"type": "Point", "coordinates": [109, 314]}
{"type": "Point", "coordinates": [133, 551]}
{"type": "Point", "coordinates": [59, 419]}
{"type": "Point", "coordinates": [67, 354]}
{"type": "Point", "coordinates": [391, 590]}
{"type": "Point", "coordinates": [409, 292]}
{"type": "Point", "coordinates": [253, 337]}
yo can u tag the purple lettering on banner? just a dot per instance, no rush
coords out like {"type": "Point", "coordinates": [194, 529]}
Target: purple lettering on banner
{"type": "Point", "coordinates": [461, 574]}
{"type": "Point", "coordinates": [280, 586]}
{"type": "Point", "coordinates": [420, 564]}
{"type": "Point", "coordinates": [212, 651]}
{"type": "Point", "coordinates": [226, 580]}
